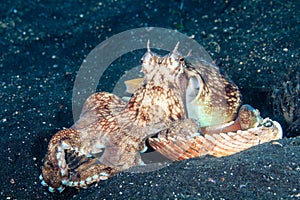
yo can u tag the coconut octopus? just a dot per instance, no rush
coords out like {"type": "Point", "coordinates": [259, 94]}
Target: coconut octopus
{"type": "Point", "coordinates": [183, 108]}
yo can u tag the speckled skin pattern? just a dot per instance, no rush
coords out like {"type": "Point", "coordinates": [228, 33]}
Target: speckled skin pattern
{"type": "Point", "coordinates": [111, 133]}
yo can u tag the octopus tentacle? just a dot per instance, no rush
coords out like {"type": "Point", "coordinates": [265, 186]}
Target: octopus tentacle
{"type": "Point", "coordinates": [55, 169]}
{"type": "Point", "coordinates": [68, 165]}
{"type": "Point", "coordinates": [58, 170]}
{"type": "Point", "coordinates": [98, 106]}
{"type": "Point", "coordinates": [90, 173]}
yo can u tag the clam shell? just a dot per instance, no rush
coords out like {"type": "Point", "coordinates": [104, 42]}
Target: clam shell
{"type": "Point", "coordinates": [218, 145]}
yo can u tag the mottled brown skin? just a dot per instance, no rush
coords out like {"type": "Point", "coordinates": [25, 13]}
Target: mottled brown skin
{"type": "Point", "coordinates": [50, 169]}
{"type": "Point", "coordinates": [218, 100]}
{"type": "Point", "coordinates": [111, 133]}
{"type": "Point", "coordinates": [119, 129]}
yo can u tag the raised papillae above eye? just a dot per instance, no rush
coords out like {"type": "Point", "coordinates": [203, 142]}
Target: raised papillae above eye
{"type": "Point", "coordinates": [148, 55]}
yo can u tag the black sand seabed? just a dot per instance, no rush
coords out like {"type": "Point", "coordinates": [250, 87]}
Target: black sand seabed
{"type": "Point", "coordinates": [43, 45]}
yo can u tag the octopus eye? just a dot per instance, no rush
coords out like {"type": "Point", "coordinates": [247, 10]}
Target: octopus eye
{"type": "Point", "coordinates": [141, 61]}
{"type": "Point", "coordinates": [181, 59]}
{"type": "Point", "coordinates": [47, 163]}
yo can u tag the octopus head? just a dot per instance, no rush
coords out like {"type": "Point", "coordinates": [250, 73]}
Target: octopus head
{"type": "Point", "coordinates": [169, 67]}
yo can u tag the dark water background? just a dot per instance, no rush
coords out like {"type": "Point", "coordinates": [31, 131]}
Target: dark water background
{"type": "Point", "coordinates": [43, 43]}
